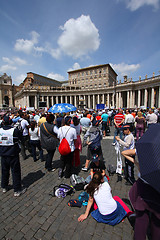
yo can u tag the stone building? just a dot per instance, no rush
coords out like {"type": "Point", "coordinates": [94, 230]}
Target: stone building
{"type": "Point", "coordinates": [6, 96]}
{"type": "Point", "coordinates": [92, 85]}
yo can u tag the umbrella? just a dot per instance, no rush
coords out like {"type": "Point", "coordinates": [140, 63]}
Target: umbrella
{"type": "Point", "coordinates": [62, 108]}
{"type": "Point", "coordinates": [148, 151]}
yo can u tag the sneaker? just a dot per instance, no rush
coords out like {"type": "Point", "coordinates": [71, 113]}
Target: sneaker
{"type": "Point", "coordinates": [19, 193]}
{"type": "Point", "coordinates": [52, 170]}
{"type": "Point", "coordinates": [4, 190]}
{"type": "Point", "coordinates": [113, 144]}
{"type": "Point", "coordinates": [85, 169]}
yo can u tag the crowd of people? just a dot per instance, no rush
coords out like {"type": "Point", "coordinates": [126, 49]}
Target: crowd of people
{"type": "Point", "coordinates": [22, 132]}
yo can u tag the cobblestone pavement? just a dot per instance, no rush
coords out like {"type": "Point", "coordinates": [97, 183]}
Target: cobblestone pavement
{"type": "Point", "coordinates": [38, 215]}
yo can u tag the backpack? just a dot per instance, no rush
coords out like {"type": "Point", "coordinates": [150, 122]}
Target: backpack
{"type": "Point", "coordinates": [83, 198]}
{"type": "Point", "coordinates": [64, 148]}
{"type": "Point", "coordinates": [96, 143]}
{"type": "Point", "coordinates": [18, 125]}
{"type": "Point", "coordinates": [77, 182]}
{"type": "Point", "coordinates": [111, 169]}
{"type": "Point", "coordinates": [62, 190]}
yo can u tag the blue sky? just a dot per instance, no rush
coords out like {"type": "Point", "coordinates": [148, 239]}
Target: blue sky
{"type": "Point", "coordinates": [52, 37]}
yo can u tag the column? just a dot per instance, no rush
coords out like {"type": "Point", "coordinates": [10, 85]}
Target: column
{"type": "Point", "coordinates": [35, 102]}
{"type": "Point", "coordinates": [84, 98]}
{"type": "Point", "coordinates": [24, 101]}
{"type": "Point", "coordinates": [103, 98]}
{"type": "Point", "coordinates": [128, 103]}
{"type": "Point", "coordinates": [112, 99]}
{"type": "Point", "coordinates": [89, 101]}
{"type": "Point", "coordinates": [47, 101]}
{"type": "Point", "coordinates": [61, 99]}
{"type": "Point", "coordinates": [70, 99]}
{"type": "Point", "coordinates": [152, 97]}
{"type": "Point", "coordinates": [27, 101]}
{"type": "Point", "coordinates": [159, 98]}
{"type": "Point", "coordinates": [108, 100]}
{"type": "Point", "coordinates": [131, 99]}
{"type": "Point", "coordinates": [75, 101]}
{"type": "Point", "coordinates": [1, 98]}
{"type": "Point", "coordinates": [120, 100]}
{"type": "Point", "coordinates": [117, 102]}
{"type": "Point", "coordinates": [56, 99]}
{"type": "Point", "coordinates": [145, 97]}
{"type": "Point", "coordinates": [139, 98]}
{"type": "Point", "coordinates": [98, 99]}
{"type": "Point", "coordinates": [93, 101]}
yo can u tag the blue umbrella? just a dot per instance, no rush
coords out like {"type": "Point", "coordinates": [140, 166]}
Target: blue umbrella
{"type": "Point", "coordinates": [148, 151]}
{"type": "Point", "coordinates": [62, 108]}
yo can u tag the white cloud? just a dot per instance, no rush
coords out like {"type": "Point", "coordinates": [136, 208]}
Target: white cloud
{"type": "Point", "coordinates": [19, 79]}
{"type": "Point", "coordinates": [133, 5]}
{"type": "Point", "coordinates": [124, 69]}
{"type": "Point", "coordinates": [79, 37]}
{"type": "Point", "coordinates": [7, 67]}
{"type": "Point", "coordinates": [74, 67]}
{"type": "Point", "coordinates": [19, 61]}
{"type": "Point", "coordinates": [56, 76]}
{"type": "Point", "coordinates": [7, 60]}
{"type": "Point", "coordinates": [11, 63]}
{"type": "Point", "coordinates": [27, 46]}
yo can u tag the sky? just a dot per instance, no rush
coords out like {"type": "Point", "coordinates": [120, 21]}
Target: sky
{"type": "Point", "coordinates": [52, 37]}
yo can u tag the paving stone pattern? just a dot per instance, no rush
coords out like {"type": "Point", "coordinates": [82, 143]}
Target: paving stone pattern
{"type": "Point", "coordinates": [37, 215]}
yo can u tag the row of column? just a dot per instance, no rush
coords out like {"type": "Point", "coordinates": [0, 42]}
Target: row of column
{"type": "Point", "coordinates": [129, 99]}
{"type": "Point", "coordinates": [145, 97]}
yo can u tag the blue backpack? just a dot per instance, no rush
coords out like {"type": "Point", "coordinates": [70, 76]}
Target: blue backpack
{"type": "Point", "coordinates": [96, 143]}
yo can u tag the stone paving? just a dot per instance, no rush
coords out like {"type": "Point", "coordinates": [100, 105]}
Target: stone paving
{"type": "Point", "coordinates": [37, 215]}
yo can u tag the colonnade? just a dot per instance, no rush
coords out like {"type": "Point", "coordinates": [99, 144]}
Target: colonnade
{"type": "Point", "coordinates": [116, 98]}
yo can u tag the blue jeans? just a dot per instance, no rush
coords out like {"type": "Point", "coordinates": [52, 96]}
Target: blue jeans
{"type": "Point", "coordinates": [48, 163]}
{"type": "Point", "coordinates": [34, 144]}
{"type": "Point", "coordinates": [116, 132]}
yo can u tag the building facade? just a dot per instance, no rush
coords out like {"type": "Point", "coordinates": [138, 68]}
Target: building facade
{"type": "Point", "coordinates": [93, 85]}
{"type": "Point", "coordinates": [6, 89]}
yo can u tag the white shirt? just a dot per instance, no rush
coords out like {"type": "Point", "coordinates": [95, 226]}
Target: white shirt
{"type": "Point", "coordinates": [71, 135]}
{"type": "Point", "coordinates": [104, 200]}
{"type": "Point", "coordinates": [24, 124]}
{"type": "Point", "coordinates": [129, 118]}
{"type": "Point", "coordinates": [34, 134]}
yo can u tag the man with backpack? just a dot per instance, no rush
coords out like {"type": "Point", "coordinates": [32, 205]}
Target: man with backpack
{"type": "Point", "coordinates": [67, 136]}
{"type": "Point", "coordinates": [94, 143]}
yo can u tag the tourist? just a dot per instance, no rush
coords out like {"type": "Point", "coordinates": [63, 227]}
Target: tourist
{"type": "Point", "coordinates": [105, 122]}
{"type": "Point", "coordinates": [78, 143]}
{"type": "Point", "coordinates": [92, 134]}
{"type": "Point", "coordinates": [35, 141]}
{"type": "Point", "coordinates": [96, 166]}
{"type": "Point", "coordinates": [85, 124]}
{"type": "Point", "coordinates": [129, 119]}
{"type": "Point", "coordinates": [151, 117]}
{"type": "Point", "coordinates": [128, 143]}
{"type": "Point", "coordinates": [109, 211]}
{"type": "Point", "coordinates": [66, 160]}
{"type": "Point", "coordinates": [49, 141]}
{"type": "Point", "coordinates": [9, 152]}
{"type": "Point", "coordinates": [119, 119]}
{"type": "Point", "coordinates": [42, 119]}
{"type": "Point", "coordinates": [140, 125]}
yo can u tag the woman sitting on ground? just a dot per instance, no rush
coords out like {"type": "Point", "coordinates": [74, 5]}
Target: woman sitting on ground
{"type": "Point", "coordinates": [108, 211]}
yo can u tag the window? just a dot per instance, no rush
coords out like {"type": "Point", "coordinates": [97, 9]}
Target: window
{"type": "Point", "coordinates": [5, 81]}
